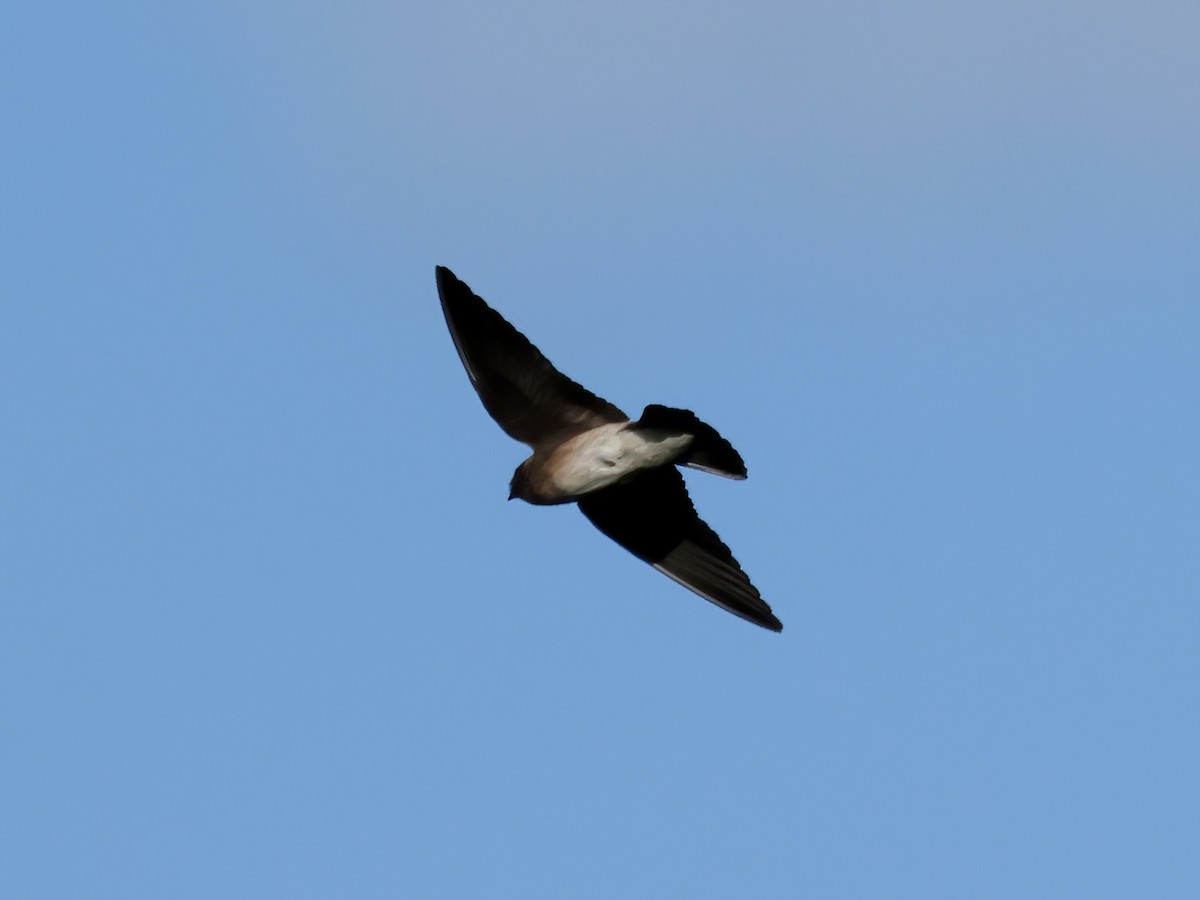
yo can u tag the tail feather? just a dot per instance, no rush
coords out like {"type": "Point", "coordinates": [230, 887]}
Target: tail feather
{"type": "Point", "coordinates": [709, 452]}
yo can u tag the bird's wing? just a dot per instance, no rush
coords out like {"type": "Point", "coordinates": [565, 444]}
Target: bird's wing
{"type": "Point", "coordinates": [653, 518]}
{"type": "Point", "coordinates": [528, 397]}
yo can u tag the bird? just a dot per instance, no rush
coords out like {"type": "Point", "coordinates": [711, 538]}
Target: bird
{"type": "Point", "coordinates": [622, 474]}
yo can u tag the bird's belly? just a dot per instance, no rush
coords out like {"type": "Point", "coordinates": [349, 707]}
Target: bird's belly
{"type": "Point", "coordinates": [610, 453]}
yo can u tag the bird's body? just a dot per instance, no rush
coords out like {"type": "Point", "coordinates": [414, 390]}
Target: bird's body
{"type": "Point", "coordinates": [596, 458]}
{"type": "Point", "coordinates": [621, 473]}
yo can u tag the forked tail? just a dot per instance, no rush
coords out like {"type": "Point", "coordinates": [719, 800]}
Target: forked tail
{"type": "Point", "coordinates": [709, 452]}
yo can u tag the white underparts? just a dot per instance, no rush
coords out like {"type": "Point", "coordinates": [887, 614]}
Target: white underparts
{"type": "Point", "coordinates": [609, 453]}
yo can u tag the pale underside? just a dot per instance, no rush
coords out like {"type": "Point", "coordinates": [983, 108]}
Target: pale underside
{"type": "Point", "coordinates": [606, 455]}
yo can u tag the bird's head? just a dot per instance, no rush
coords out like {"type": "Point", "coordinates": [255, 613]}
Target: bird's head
{"type": "Point", "coordinates": [518, 488]}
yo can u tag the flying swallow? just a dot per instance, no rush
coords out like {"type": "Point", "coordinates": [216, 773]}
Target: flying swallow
{"type": "Point", "coordinates": [622, 474]}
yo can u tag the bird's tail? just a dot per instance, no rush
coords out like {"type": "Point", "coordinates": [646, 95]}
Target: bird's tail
{"type": "Point", "coordinates": [708, 452]}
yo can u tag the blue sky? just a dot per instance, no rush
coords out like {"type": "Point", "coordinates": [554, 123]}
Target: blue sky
{"type": "Point", "coordinates": [269, 627]}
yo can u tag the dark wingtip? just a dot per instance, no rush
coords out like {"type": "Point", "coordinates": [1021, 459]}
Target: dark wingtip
{"type": "Point", "coordinates": [445, 278]}
{"type": "Point", "coordinates": [452, 290]}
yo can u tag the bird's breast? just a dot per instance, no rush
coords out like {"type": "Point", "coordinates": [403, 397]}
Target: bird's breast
{"type": "Point", "coordinates": [605, 455]}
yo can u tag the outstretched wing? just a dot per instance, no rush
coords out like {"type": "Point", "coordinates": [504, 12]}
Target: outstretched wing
{"type": "Point", "coordinates": [653, 518]}
{"type": "Point", "coordinates": [528, 397]}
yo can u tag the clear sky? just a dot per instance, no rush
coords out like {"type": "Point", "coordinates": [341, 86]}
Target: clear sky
{"type": "Point", "coordinates": [269, 628]}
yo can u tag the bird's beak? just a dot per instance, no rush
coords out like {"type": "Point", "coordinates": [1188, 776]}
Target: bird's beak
{"type": "Point", "coordinates": [511, 493]}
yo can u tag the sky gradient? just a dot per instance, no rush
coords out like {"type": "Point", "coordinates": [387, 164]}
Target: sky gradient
{"type": "Point", "coordinates": [270, 629]}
